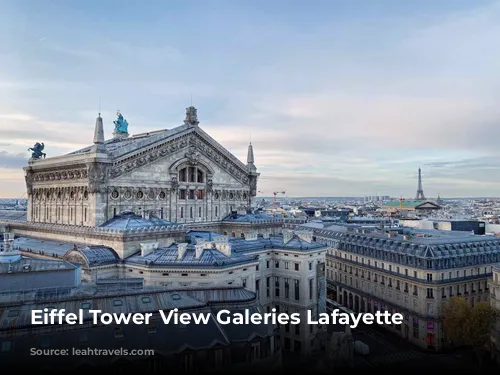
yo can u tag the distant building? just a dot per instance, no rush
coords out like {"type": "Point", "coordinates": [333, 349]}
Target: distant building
{"type": "Point", "coordinates": [406, 205]}
{"type": "Point", "coordinates": [412, 274]}
{"type": "Point", "coordinates": [471, 226]}
{"type": "Point", "coordinates": [494, 286]}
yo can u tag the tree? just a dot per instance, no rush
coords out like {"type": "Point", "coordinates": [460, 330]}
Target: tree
{"type": "Point", "coordinates": [469, 325]}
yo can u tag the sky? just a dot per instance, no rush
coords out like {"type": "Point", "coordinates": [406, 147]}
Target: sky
{"type": "Point", "coordinates": [339, 98]}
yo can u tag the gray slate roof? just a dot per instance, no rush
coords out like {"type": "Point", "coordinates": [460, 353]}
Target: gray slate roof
{"type": "Point", "coordinates": [129, 220]}
{"type": "Point", "coordinates": [39, 246]}
{"type": "Point", "coordinates": [35, 265]}
{"type": "Point", "coordinates": [419, 243]}
{"type": "Point", "coordinates": [209, 258]}
{"type": "Point", "coordinates": [251, 218]}
{"type": "Point", "coordinates": [96, 255]}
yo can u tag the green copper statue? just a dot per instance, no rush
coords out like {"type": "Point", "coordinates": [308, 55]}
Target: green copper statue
{"type": "Point", "coordinates": [121, 125]}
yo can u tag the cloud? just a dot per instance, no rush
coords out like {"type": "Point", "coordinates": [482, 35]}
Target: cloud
{"type": "Point", "coordinates": [14, 161]}
{"type": "Point", "coordinates": [341, 108]}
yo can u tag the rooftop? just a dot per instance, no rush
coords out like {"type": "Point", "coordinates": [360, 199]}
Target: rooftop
{"type": "Point", "coordinates": [420, 243]}
{"type": "Point", "coordinates": [170, 257]}
{"type": "Point", "coordinates": [129, 220]}
{"type": "Point", "coordinates": [23, 265]}
{"type": "Point", "coordinates": [251, 218]}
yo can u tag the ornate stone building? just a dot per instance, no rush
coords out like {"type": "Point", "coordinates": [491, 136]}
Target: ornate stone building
{"type": "Point", "coordinates": [181, 175]}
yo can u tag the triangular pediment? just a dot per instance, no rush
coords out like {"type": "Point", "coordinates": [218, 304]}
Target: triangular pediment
{"type": "Point", "coordinates": [189, 142]}
{"type": "Point", "coordinates": [425, 205]}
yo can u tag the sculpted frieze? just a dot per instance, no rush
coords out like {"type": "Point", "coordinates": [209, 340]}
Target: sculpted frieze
{"type": "Point", "coordinates": [194, 145]}
{"type": "Point", "coordinates": [97, 177]}
{"type": "Point", "coordinates": [72, 174]}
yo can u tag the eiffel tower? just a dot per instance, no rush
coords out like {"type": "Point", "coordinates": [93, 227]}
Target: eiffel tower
{"type": "Point", "coordinates": [420, 190]}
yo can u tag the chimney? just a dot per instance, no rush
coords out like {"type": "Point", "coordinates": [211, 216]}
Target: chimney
{"type": "Point", "coordinates": [199, 248]}
{"type": "Point", "coordinates": [148, 248]}
{"type": "Point", "coordinates": [224, 248]}
{"type": "Point", "coordinates": [181, 250]}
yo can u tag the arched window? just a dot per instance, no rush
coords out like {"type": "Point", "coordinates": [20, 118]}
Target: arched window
{"type": "Point", "coordinates": [192, 174]}
{"type": "Point", "coordinates": [188, 176]}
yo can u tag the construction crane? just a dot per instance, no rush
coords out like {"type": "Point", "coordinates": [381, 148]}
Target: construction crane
{"type": "Point", "coordinates": [275, 194]}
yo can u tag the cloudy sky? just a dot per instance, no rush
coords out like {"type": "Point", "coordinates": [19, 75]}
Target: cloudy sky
{"type": "Point", "coordinates": [339, 98]}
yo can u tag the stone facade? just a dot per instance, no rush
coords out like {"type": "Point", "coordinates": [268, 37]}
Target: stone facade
{"type": "Point", "coordinates": [181, 175]}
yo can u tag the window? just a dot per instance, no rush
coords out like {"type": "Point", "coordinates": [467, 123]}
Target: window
{"type": "Point", "coordinates": [430, 293]}
{"type": "Point", "coordinates": [311, 288]}
{"type": "Point", "coordinates": [118, 332]}
{"type": "Point", "coordinates": [6, 346]}
{"type": "Point", "coordinates": [151, 328]}
{"type": "Point", "coordinates": [268, 286]}
{"type": "Point", "coordinates": [287, 265]}
{"type": "Point", "coordinates": [277, 287]}
{"type": "Point", "coordinates": [190, 212]}
{"type": "Point", "coordinates": [254, 351]}
{"type": "Point", "coordinates": [117, 302]}
{"type": "Point", "coordinates": [200, 194]}
{"type": "Point", "coordinates": [146, 299]}
{"type": "Point", "coordinates": [182, 212]}
{"type": "Point", "coordinates": [187, 362]}
{"type": "Point", "coordinates": [199, 211]}
{"type": "Point", "coordinates": [297, 290]}
{"type": "Point", "coordinates": [182, 194]}
{"type": "Point", "coordinates": [85, 306]}
{"type": "Point", "coordinates": [287, 288]}
{"type": "Point", "coordinates": [296, 265]}
{"type": "Point", "coordinates": [218, 357]}
{"type": "Point", "coordinates": [310, 266]}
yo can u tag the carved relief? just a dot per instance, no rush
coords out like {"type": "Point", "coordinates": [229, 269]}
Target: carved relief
{"type": "Point", "coordinates": [209, 185]}
{"type": "Point", "coordinates": [97, 177]}
{"type": "Point", "coordinates": [29, 182]}
{"type": "Point", "coordinates": [75, 174]}
{"type": "Point", "coordinates": [174, 183]}
{"type": "Point", "coordinates": [197, 147]}
{"type": "Point", "coordinates": [193, 156]}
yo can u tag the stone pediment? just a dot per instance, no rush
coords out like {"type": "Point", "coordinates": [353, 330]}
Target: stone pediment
{"type": "Point", "coordinates": [427, 205]}
{"type": "Point", "coordinates": [192, 144]}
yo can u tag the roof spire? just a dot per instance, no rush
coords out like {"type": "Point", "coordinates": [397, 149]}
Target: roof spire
{"type": "Point", "coordinates": [250, 158]}
{"type": "Point", "coordinates": [99, 131]}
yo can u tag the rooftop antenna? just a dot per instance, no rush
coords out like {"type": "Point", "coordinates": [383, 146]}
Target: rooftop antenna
{"type": "Point", "coordinates": [99, 105]}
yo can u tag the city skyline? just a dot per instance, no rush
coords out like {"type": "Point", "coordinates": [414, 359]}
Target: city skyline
{"type": "Point", "coordinates": [338, 99]}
